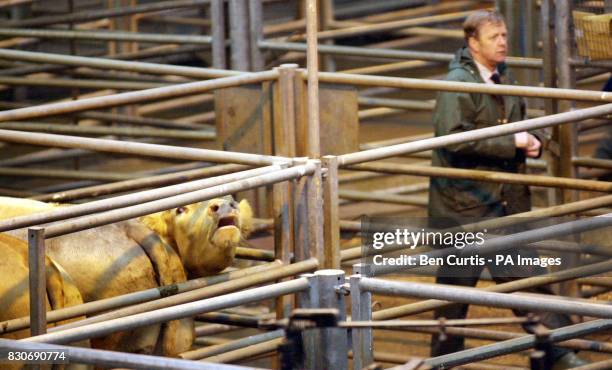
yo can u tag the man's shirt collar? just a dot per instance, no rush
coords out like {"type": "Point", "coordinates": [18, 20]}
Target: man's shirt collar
{"type": "Point", "coordinates": [485, 73]}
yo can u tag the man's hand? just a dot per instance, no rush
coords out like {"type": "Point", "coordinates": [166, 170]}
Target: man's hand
{"type": "Point", "coordinates": [529, 143]}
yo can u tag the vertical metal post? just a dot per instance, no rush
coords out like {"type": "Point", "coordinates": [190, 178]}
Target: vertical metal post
{"type": "Point", "coordinates": [333, 342]}
{"type": "Point", "coordinates": [285, 110]}
{"type": "Point", "coordinates": [301, 211]}
{"type": "Point", "coordinates": [361, 310]}
{"type": "Point", "coordinates": [256, 34]}
{"type": "Point", "coordinates": [327, 18]}
{"type": "Point", "coordinates": [315, 215]}
{"type": "Point", "coordinates": [217, 15]}
{"type": "Point", "coordinates": [330, 209]}
{"type": "Point", "coordinates": [312, 66]}
{"type": "Point", "coordinates": [549, 61]}
{"type": "Point", "coordinates": [239, 21]}
{"type": "Point", "coordinates": [567, 133]}
{"type": "Point", "coordinates": [310, 299]}
{"type": "Point", "coordinates": [38, 285]}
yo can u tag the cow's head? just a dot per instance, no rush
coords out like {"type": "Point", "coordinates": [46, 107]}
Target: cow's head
{"type": "Point", "coordinates": [206, 234]}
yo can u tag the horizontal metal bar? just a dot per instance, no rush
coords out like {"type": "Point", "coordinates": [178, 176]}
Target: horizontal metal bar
{"type": "Point", "coordinates": [255, 278]}
{"type": "Point", "coordinates": [388, 53]}
{"type": "Point", "coordinates": [106, 36]}
{"type": "Point", "coordinates": [512, 286]}
{"type": "Point", "coordinates": [86, 84]}
{"type": "Point", "coordinates": [88, 15]}
{"type": "Point", "coordinates": [116, 359]}
{"type": "Point", "coordinates": [503, 243]}
{"type": "Point", "coordinates": [128, 199]}
{"type": "Point", "coordinates": [480, 297]}
{"type": "Point", "coordinates": [231, 346]}
{"type": "Point", "coordinates": [173, 313]}
{"type": "Point", "coordinates": [148, 182]}
{"type": "Point", "coordinates": [467, 87]}
{"type": "Point", "coordinates": [486, 176]}
{"type": "Point", "coordinates": [138, 149]}
{"type": "Point", "coordinates": [203, 134]}
{"type": "Point", "coordinates": [474, 135]}
{"type": "Point", "coordinates": [106, 304]}
{"type": "Point", "coordinates": [519, 344]}
{"type": "Point", "coordinates": [121, 65]}
{"type": "Point", "coordinates": [121, 214]}
{"type": "Point", "coordinates": [132, 97]}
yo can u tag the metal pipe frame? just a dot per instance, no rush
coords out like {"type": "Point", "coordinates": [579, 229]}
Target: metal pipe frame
{"type": "Point", "coordinates": [106, 36]}
{"type": "Point", "coordinates": [486, 176]}
{"type": "Point", "coordinates": [201, 353]}
{"type": "Point", "coordinates": [122, 214]}
{"type": "Point", "coordinates": [387, 53]}
{"type": "Point", "coordinates": [132, 97]}
{"type": "Point", "coordinates": [117, 359]}
{"type": "Point", "coordinates": [520, 284]}
{"type": "Point", "coordinates": [204, 134]}
{"type": "Point", "coordinates": [172, 313]}
{"type": "Point", "coordinates": [139, 149]}
{"type": "Point", "coordinates": [473, 135]}
{"type": "Point", "coordinates": [89, 15]}
{"type": "Point", "coordinates": [129, 199]}
{"type": "Point", "coordinates": [121, 65]}
{"type": "Point", "coordinates": [506, 242]}
{"type": "Point", "coordinates": [519, 344]}
{"type": "Point", "coordinates": [261, 277]}
{"type": "Point", "coordinates": [106, 304]}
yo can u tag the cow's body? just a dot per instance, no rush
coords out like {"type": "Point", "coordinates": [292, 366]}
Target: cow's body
{"type": "Point", "coordinates": [128, 256]}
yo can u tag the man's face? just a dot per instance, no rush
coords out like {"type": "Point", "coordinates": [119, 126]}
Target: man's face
{"type": "Point", "coordinates": [491, 46]}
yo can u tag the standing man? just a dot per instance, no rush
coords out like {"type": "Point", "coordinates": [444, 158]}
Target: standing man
{"type": "Point", "coordinates": [482, 61]}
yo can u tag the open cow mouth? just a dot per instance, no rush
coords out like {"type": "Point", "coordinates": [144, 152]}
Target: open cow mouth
{"type": "Point", "coordinates": [227, 221]}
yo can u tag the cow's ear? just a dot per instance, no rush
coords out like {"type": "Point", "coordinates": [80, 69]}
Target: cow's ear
{"type": "Point", "coordinates": [246, 218]}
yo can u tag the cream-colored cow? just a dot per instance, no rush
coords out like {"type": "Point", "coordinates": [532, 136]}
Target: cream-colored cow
{"type": "Point", "coordinates": [159, 249]}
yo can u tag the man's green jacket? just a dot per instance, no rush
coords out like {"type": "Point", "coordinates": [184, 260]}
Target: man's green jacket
{"type": "Point", "coordinates": [457, 112]}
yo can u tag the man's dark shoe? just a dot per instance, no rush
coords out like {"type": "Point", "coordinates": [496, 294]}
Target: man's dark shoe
{"type": "Point", "coordinates": [569, 361]}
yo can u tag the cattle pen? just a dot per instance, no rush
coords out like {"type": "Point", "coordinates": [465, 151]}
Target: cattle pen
{"type": "Point", "coordinates": [319, 114]}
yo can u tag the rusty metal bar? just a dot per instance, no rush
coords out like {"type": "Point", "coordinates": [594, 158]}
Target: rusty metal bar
{"type": "Point", "coordinates": [53, 128]}
{"type": "Point", "coordinates": [139, 149]}
{"type": "Point", "coordinates": [129, 199]}
{"type": "Point", "coordinates": [388, 53]}
{"type": "Point", "coordinates": [519, 344]}
{"type": "Point", "coordinates": [516, 285]}
{"type": "Point", "coordinates": [135, 96]}
{"type": "Point", "coordinates": [153, 181]}
{"type": "Point", "coordinates": [437, 85]}
{"type": "Point", "coordinates": [37, 281]}
{"type": "Point", "coordinates": [247, 352]}
{"type": "Point", "coordinates": [106, 36]}
{"type": "Point", "coordinates": [217, 15]}
{"type": "Point", "coordinates": [231, 346]}
{"type": "Point", "coordinates": [481, 297]}
{"type": "Point", "coordinates": [312, 67]}
{"type": "Point", "coordinates": [105, 218]}
{"type": "Point", "coordinates": [104, 63]}
{"type": "Point", "coordinates": [117, 359]}
{"type": "Point", "coordinates": [510, 128]}
{"type": "Point", "coordinates": [331, 220]}
{"type": "Point", "coordinates": [487, 176]}
{"type": "Point", "coordinates": [173, 312]}
{"type": "Point", "coordinates": [89, 15]}
{"type": "Point", "coordinates": [106, 304]}
{"type": "Point", "coordinates": [239, 20]}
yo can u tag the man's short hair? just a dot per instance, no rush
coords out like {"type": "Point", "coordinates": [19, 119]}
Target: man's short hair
{"type": "Point", "coordinates": [479, 18]}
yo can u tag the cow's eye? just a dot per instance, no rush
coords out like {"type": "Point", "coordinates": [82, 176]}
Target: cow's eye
{"type": "Point", "coordinates": [234, 204]}
{"type": "Point", "coordinates": [214, 207]}
{"type": "Point", "coordinates": [180, 210]}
